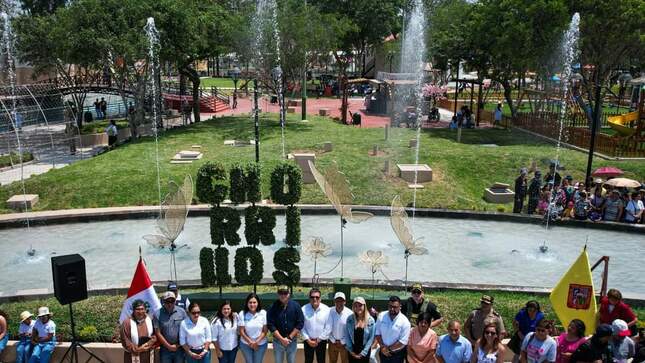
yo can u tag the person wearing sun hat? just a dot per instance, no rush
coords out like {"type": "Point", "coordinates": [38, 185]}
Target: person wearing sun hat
{"type": "Point", "coordinates": [23, 348]}
{"type": "Point", "coordinates": [621, 345]}
{"type": "Point", "coordinates": [43, 337]}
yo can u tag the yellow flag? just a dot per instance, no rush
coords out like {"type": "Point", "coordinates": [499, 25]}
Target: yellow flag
{"type": "Point", "coordinates": [573, 297]}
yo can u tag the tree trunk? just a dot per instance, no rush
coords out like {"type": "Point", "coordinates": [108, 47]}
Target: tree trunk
{"type": "Point", "coordinates": [217, 66]}
{"type": "Point", "coordinates": [192, 74]}
{"type": "Point", "coordinates": [508, 96]}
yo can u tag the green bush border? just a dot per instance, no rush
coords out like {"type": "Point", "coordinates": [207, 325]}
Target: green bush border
{"type": "Point", "coordinates": [211, 183]}
{"type": "Point", "coordinates": [225, 231]}
{"type": "Point", "coordinates": [293, 177]}
{"type": "Point", "coordinates": [259, 232]}
{"type": "Point", "coordinates": [293, 226]}
{"type": "Point", "coordinates": [249, 265]}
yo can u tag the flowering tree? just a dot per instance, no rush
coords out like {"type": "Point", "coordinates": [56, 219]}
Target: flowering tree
{"type": "Point", "coordinates": [435, 92]}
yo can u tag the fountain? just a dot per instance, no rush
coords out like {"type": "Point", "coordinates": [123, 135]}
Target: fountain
{"type": "Point", "coordinates": [267, 42]}
{"type": "Point", "coordinates": [412, 62]}
{"type": "Point", "coordinates": [569, 49]}
{"type": "Point", "coordinates": [153, 67]}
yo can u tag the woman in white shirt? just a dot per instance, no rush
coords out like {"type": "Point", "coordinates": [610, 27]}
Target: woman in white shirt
{"type": "Point", "coordinates": [253, 330]}
{"type": "Point", "coordinates": [195, 336]}
{"type": "Point", "coordinates": [224, 333]}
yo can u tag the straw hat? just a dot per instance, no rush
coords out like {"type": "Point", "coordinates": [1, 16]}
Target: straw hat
{"type": "Point", "coordinates": [43, 310]}
{"type": "Point", "coordinates": [25, 315]}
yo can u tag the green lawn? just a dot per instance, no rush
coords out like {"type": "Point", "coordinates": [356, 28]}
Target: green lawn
{"type": "Point", "coordinates": [97, 317]}
{"type": "Point", "coordinates": [97, 127]}
{"type": "Point", "coordinates": [127, 175]}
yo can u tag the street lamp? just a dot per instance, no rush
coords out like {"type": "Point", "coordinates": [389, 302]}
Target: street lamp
{"type": "Point", "coordinates": [235, 75]}
{"type": "Point", "coordinates": [623, 79]}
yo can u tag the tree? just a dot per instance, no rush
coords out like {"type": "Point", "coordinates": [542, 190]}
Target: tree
{"type": "Point", "coordinates": [506, 38]}
{"type": "Point", "coordinates": [41, 7]}
{"type": "Point", "coordinates": [611, 36]}
{"type": "Point", "coordinates": [192, 30]}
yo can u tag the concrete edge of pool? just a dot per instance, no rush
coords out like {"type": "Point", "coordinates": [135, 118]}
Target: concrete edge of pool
{"type": "Point", "coordinates": [17, 220]}
{"type": "Point", "coordinates": [391, 285]}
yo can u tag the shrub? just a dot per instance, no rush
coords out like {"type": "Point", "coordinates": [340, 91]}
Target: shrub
{"type": "Point", "coordinates": [225, 223]}
{"type": "Point", "coordinates": [211, 183]}
{"type": "Point", "coordinates": [293, 226]}
{"type": "Point", "coordinates": [289, 173]}
{"type": "Point", "coordinates": [221, 267]}
{"type": "Point", "coordinates": [238, 184]}
{"type": "Point", "coordinates": [259, 223]}
{"type": "Point", "coordinates": [253, 183]}
{"type": "Point", "coordinates": [249, 266]}
{"type": "Point", "coordinates": [285, 261]}
{"type": "Point", "coordinates": [207, 265]}
{"type": "Point", "coordinates": [88, 333]}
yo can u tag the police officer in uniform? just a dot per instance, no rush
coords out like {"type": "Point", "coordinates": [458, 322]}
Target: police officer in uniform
{"type": "Point", "coordinates": [181, 301]}
{"type": "Point", "coordinates": [478, 318]}
{"type": "Point", "coordinates": [417, 304]}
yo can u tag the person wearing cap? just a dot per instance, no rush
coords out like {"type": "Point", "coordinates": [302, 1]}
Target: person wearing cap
{"type": "Point", "coordinates": [454, 347]}
{"type": "Point", "coordinates": [181, 301]}
{"type": "Point", "coordinates": [613, 307]}
{"type": "Point", "coordinates": [23, 348]}
{"type": "Point", "coordinates": [538, 346]}
{"type": "Point", "coordinates": [613, 208]}
{"type": "Point", "coordinates": [166, 323]}
{"type": "Point", "coordinates": [4, 330]}
{"type": "Point", "coordinates": [621, 345]}
{"type": "Point", "coordinates": [417, 304]}
{"type": "Point", "coordinates": [285, 320]}
{"type": "Point", "coordinates": [521, 185]}
{"type": "Point", "coordinates": [392, 333]}
{"type": "Point", "coordinates": [535, 189]}
{"type": "Point", "coordinates": [474, 325]}
{"type": "Point", "coordinates": [43, 337]}
{"type": "Point", "coordinates": [316, 328]}
{"type": "Point", "coordinates": [137, 334]}
{"type": "Point", "coordinates": [338, 323]}
{"type": "Point", "coordinates": [359, 332]}
{"type": "Point", "coordinates": [596, 349]}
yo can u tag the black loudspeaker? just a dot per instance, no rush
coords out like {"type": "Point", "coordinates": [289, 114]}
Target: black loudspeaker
{"type": "Point", "coordinates": [70, 284]}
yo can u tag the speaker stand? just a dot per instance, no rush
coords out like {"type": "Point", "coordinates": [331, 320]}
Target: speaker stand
{"type": "Point", "coordinates": [73, 348]}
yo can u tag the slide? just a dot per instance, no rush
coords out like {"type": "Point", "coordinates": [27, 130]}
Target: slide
{"type": "Point", "coordinates": [621, 123]}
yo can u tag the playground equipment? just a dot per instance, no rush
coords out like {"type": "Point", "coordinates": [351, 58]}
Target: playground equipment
{"type": "Point", "coordinates": [625, 125]}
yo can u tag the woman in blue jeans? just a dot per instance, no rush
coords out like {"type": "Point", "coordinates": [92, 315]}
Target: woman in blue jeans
{"type": "Point", "coordinates": [252, 326]}
{"type": "Point", "coordinates": [224, 333]}
{"type": "Point", "coordinates": [44, 338]}
{"type": "Point", "coordinates": [23, 348]}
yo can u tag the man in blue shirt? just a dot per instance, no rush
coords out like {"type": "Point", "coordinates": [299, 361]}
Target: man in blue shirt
{"type": "Point", "coordinates": [285, 320]}
{"type": "Point", "coordinates": [453, 347]}
{"type": "Point", "coordinates": [166, 323]}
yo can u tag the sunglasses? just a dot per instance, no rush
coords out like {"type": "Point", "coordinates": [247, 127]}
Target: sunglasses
{"type": "Point", "coordinates": [490, 333]}
{"type": "Point", "coordinates": [195, 312]}
{"type": "Point", "coordinates": [314, 297]}
{"type": "Point", "coordinates": [283, 293]}
{"type": "Point", "coordinates": [169, 302]}
{"type": "Point", "coordinates": [416, 292]}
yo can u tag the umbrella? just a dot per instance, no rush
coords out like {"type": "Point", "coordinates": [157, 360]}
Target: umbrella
{"type": "Point", "coordinates": [607, 172]}
{"type": "Point", "coordinates": [623, 183]}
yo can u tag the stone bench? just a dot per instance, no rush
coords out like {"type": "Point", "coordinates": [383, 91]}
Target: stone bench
{"type": "Point", "coordinates": [21, 201]}
{"type": "Point", "coordinates": [499, 193]}
{"type": "Point", "coordinates": [407, 172]}
{"type": "Point", "coordinates": [324, 112]}
{"type": "Point", "coordinates": [291, 109]}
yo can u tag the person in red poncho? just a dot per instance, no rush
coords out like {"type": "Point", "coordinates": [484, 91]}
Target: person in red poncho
{"type": "Point", "coordinates": [612, 307]}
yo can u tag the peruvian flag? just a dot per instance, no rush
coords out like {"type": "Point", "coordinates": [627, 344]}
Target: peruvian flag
{"type": "Point", "coordinates": [140, 289]}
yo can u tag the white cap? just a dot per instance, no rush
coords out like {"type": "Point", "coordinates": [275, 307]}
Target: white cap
{"type": "Point", "coordinates": [168, 295]}
{"type": "Point", "coordinates": [359, 300]}
{"type": "Point", "coordinates": [340, 295]}
{"type": "Point", "coordinates": [619, 327]}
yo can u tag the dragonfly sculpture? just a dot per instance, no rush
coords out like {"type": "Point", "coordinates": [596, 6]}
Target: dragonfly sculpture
{"type": "Point", "coordinates": [375, 260]}
{"type": "Point", "coordinates": [171, 221]}
{"type": "Point", "coordinates": [336, 187]}
{"type": "Point", "coordinates": [316, 248]}
{"type": "Point", "coordinates": [403, 230]}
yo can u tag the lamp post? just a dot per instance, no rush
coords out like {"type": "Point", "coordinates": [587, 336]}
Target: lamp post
{"type": "Point", "coordinates": [304, 82]}
{"type": "Point", "coordinates": [256, 119]}
{"type": "Point", "coordinates": [235, 75]}
{"type": "Point", "coordinates": [623, 79]}
{"type": "Point", "coordinates": [276, 73]}
{"type": "Point", "coordinates": [594, 125]}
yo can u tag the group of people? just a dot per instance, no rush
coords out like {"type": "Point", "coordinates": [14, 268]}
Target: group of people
{"type": "Point", "coordinates": [463, 119]}
{"type": "Point", "coordinates": [100, 108]}
{"type": "Point", "coordinates": [402, 333]}
{"type": "Point", "coordinates": [558, 198]}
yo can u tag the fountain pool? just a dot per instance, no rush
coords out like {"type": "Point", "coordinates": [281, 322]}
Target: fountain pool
{"type": "Point", "coordinates": [461, 251]}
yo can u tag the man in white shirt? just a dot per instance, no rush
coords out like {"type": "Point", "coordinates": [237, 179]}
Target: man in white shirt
{"type": "Point", "coordinates": [634, 209]}
{"type": "Point", "coordinates": [392, 333]}
{"type": "Point", "coordinates": [316, 329]}
{"type": "Point", "coordinates": [337, 323]}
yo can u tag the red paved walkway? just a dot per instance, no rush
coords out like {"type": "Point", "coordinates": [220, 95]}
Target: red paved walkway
{"type": "Point", "coordinates": [245, 106]}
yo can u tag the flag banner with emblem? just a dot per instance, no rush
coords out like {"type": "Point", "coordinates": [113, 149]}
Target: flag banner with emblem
{"type": "Point", "coordinates": [141, 288]}
{"type": "Point", "coordinates": [573, 297]}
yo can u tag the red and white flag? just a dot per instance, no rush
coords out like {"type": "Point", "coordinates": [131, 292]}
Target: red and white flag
{"type": "Point", "coordinates": [140, 289]}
